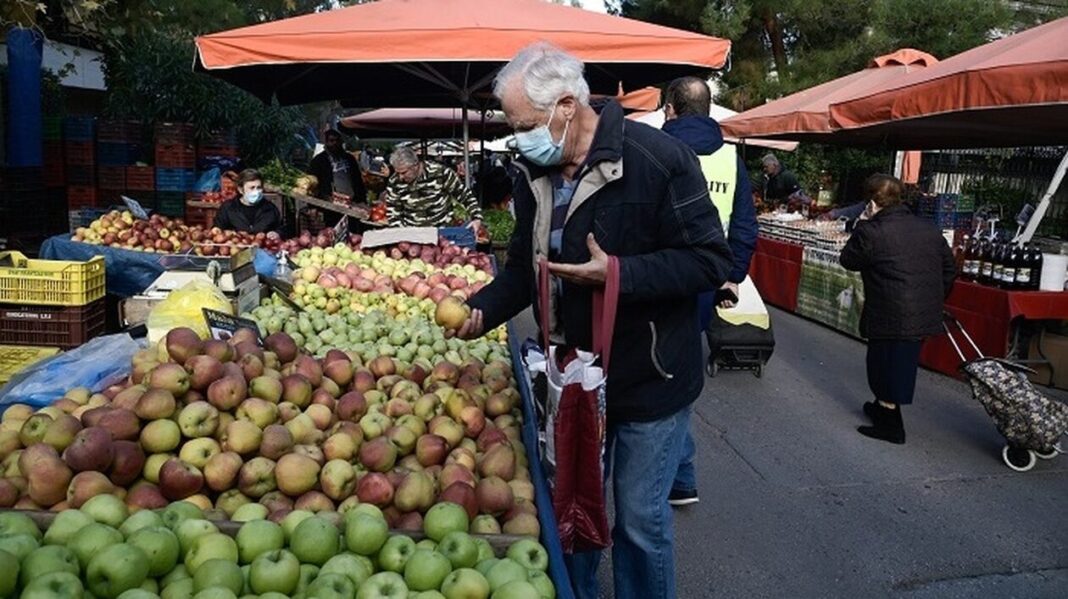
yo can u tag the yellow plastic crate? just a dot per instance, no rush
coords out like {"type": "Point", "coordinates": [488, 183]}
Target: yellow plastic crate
{"type": "Point", "coordinates": [14, 358]}
{"type": "Point", "coordinates": [50, 282]}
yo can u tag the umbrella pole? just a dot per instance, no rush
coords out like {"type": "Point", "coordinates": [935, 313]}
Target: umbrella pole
{"type": "Point", "coordinates": [467, 150]}
{"type": "Point", "coordinates": [482, 157]}
{"type": "Point", "coordinates": [1040, 210]}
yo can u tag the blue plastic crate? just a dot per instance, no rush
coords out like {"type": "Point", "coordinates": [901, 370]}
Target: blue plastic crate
{"type": "Point", "coordinates": [175, 179]}
{"type": "Point", "coordinates": [79, 128]}
{"type": "Point", "coordinates": [110, 153]}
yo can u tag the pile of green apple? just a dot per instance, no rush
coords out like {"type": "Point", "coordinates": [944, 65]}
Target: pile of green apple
{"type": "Point", "coordinates": [390, 325]}
{"type": "Point", "coordinates": [103, 550]}
{"type": "Point", "coordinates": [223, 424]}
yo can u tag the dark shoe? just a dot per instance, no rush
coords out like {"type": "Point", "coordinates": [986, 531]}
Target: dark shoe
{"type": "Point", "coordinates": [679, 498]}
{"type": "Point", "coordinates": [886, 425]}
{"type": "Point", "coordinates": [871, 409]}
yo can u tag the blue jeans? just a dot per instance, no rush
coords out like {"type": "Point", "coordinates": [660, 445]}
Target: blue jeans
{"type": "Point", "coordinates": [685, 477]}
{"type": "Point", "coordinates": [642, 458]}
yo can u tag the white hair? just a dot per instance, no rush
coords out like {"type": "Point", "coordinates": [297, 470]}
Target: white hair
{"type": "Point", "coordinates": [547, 73]}
{"type": "Point", "coordinates": [770, 159]}
{"type": "Point", "coordinates": [403, 156]}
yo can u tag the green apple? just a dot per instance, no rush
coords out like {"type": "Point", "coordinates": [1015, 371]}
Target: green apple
{"type": "Point", "coordinates": [139, 520]}
{"type": "Point", "coordinates": [276, 571]}
{"type": "Point", "coordinates": [19, 545]}
{"type": "Point", "coordinates": [14, 523]}
{"type": "Point", "coordinates": [179, 589]}
{"type": "Point", "coordinates": [365, 535]}
{"type": "Point", "coordinates": [178, 573]}
{"type": "Point", "coordinates": [210, 546]}
{"type": "Point", "coordinates": [218, 573]}
{"type": "Point", "coordinates": [460, 548]}
{"type": "Point", "coordinates": [465, 583]}
{"type": "Point", "coordinates": [516, 589]}
{"type": "Point", "coordinates": [426, 570]}
{"type": "Point", "coordinates": [246, 585]}
{"type": "Point", "coordinates": [485, 550]}
{"type": "Point", "coordinates": [58, 585]}
{"type": "Point", "coordinates": [308, 574]}
{"type": "Point", "coordinates": [249, 512]}
{"type": "Point", "coordinates": [65, 525]}
{"type": "Point", "coordinates": [425, 595]}
{"type": "Point", "coordinates": [544, 585]}
{"type": "Point", "coordinates": [216, 593]}
{"type": "Point", "coordinates": [443, 518]}
{"type": "Point", "coordinates": [150, 585]}
{"type": "Point", "coordinates": [160, 545]}
{"type": "Point", "coordinates": [9, 574]}
{"type": "Point", "coordinates": [427, 544]}
{"type": "Point", "coordinates": [315, 540]}
{"type": "Point", "coordinates": [484, 566]}
{"type": "Point", "coordinates": [273, 596]}
{"type": "Point", "coordinates": [384, 585]}
{"type": "Point", "coordinates": [93, 539]}
{"type": "Point", "coordinates": [529, 554]}
{"type": "Point", "coordinates": [138, 593]}
{"type": "Point", "coordinates": [178, 512]}
{"type": "Point", "coordinates": [192, 529]}
{"type": "Point", "coordinates": [503, 572]}
{"type": "Point", "coordinates": [350, 565]}
{"type": "Point", "coordinates": [395, 553]}
{"type": "Point", "coordinates": [258, 537]}
{"type": "Point", "coordinates": [332, 586]}
{"type": "Point", "coordinates": [369, 509]}
{"type": "Point", "coordinates": [50, 558]}
{"type": "Point", "coordinates": [293, 520]}
{"type": "Point", "coordinates": [106, 509]}
{"type": "Point", "coordinates": [116, 569]}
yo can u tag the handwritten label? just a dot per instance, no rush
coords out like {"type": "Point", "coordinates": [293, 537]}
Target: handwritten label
{"type": "Point", "coordinates": [135, 207]}
{"type": "Point", "coordinates": [223, 326]}
{"type": "Point", "coordinates": [341, 229]}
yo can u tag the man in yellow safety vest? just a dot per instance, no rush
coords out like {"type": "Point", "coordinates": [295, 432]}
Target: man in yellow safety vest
{"type": "Point", "coordinates": [687, 103]}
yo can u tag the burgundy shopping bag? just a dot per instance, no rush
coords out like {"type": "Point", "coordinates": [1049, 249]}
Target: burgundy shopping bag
{"type": "Point", "coordinates": [578, 422]}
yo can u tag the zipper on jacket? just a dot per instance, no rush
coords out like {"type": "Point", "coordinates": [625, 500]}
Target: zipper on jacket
{"type": "Point", "coordinates": [656, 359]}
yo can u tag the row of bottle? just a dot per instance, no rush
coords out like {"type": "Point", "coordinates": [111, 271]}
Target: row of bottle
{"type": "Point", "coordinates": [999, 264]}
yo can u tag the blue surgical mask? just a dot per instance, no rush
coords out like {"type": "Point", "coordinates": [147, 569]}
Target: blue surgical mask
{"type": "Point", "coordinates": [253, 197]}
{"type": "Point", "coordinates": [537, 145]}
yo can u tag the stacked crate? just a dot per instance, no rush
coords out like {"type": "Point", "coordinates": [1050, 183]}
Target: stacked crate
{"type": "Point", "coordinates": [49, 302]}
{"type": "Point", "coordinates": [117, 148]}
{"type": "Point", "coordinates": [176, 162]}
{"type": "Point", "coordinates": [24, 207]}
{"type": "Point", "coordinates": [79, 158]}
{"type": "Point", "coordinates": [53, 172]}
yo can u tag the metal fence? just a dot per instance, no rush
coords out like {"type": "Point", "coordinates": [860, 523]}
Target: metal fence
{"type": "Point", "coordinates": [1001, 180]}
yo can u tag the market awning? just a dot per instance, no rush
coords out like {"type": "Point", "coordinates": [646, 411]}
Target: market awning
{"type": "Point", "coordinates": [403, 53]}
{"type": "Point", "coordinates": [655, 118]}
{"type": "Point", "coordinates": [424, 123]}
{"type": "Point", "coordinates": [805, 115]}
{"type": "Point", "coordinates": [1011, 92]}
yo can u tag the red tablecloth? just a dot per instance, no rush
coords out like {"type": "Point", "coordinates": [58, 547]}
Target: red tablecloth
{"type": "Point", "coordinates": [776, 272]}
{"type": "Point", "coordinates": [987, 314]}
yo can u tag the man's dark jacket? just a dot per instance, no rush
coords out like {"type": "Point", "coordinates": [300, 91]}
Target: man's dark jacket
{"type": "Point", "coordinates": [323, 170]}
{"type": "Point", "coordinates": [705, 138]}
{"type": "Point", "coordinates": [262, 217]}
{"type": "Point", "coordinates": [654, 213]}
{"type": "Point", "coordinates": [908, 271]}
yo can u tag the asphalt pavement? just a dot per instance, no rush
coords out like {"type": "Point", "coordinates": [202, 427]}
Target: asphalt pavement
{"type": "Point", "coordinates": [795, 503]}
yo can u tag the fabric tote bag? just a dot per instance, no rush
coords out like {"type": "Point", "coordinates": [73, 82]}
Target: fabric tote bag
{"type": "Point", "coordinates": [574, 420]}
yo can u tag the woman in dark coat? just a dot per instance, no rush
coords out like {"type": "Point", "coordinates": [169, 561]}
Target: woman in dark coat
{"type": "Point", "coordinates": [908, 271]}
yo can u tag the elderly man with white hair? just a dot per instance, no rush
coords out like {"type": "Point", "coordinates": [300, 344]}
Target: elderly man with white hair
{"type": "Point", "coordinates": [426, 194]}
{"type": "Point", "coordinates": [594, 185]}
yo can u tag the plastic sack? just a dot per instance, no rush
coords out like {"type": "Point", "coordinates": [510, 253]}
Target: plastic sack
{"type": "Point", "coordinates": [101, 362]}
{"type": "Point", "coordinates": [210, 180]}
{"type": "Point", "coordinates": [184, 308]}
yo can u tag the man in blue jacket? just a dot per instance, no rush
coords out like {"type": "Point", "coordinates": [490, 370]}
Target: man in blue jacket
{"type": "Point", "coordinates": [687, 101]}
{"type": "Point", "coordinates": [592, 185]}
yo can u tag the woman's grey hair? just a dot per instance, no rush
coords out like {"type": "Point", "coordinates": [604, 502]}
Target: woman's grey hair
{"type": "Point", "coordinates": [769, 159]}
{"type": "Point", "coordinates": [403, 156]}
{"type": "Point", "coordinates": [547, 73]}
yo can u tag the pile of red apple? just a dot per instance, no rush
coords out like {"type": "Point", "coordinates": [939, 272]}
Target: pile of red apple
{"type": "Point", "coordinates": [225, 424]}
{"type": "Point", "coordinates": [161, 234]}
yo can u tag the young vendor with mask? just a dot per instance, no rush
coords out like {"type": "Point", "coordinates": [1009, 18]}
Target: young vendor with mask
{"type": "Point", "coordinates": [248, 212]}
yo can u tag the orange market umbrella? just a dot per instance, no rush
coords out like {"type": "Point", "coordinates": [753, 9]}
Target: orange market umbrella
{"type": "Point", "coordinates": [1011, 92]}
{"type": "Point", "coordinates": [402, 53]}
{"type": "Point", "coordinates": [805, 115]}
{"type": "Point", "coordinates": [424, 123]}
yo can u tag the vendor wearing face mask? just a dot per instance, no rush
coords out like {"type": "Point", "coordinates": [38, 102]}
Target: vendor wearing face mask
{"type": "Point", "coordinates": [248, 212]}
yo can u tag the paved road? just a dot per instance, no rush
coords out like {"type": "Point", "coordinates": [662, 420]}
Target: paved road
{"type": "Point", "coordinates": [795, 503]}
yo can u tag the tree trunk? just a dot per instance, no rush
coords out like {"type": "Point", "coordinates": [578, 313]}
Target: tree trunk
{"type": "Point", "coordinates": [774, 33]}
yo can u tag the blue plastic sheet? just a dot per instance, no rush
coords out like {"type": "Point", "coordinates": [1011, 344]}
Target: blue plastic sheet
{"type": "Point", "coordinates": [210, 180]}
{"type": "Point", "coordinates": [128, 272]}
{"type": "Point", "coordinates": [101, 362]}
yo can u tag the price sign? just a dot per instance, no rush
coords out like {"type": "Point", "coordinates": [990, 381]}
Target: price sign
{"type": "Point", "coordinates": [135, 208]}
{"type": "Point", "coordinates": [223, 326]}
{"type": "Point", "coordinates": [341, 229]}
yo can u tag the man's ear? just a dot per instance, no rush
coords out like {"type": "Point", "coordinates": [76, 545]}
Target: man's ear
{"type": "Point", "coordinates": [568, 107]}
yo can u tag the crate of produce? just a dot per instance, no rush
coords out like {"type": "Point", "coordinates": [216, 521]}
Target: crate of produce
{"type": "Point", "coordinates": [83, 217]}
{"type": "Point", "coordinates": [142, 178]}
{"type": "Point", "coordinates": [16, 358]}
{"type": "Point", "coordinates": [174, 133]}
{"type": "Point", "coordinates": [176, 156]}
{"type": "Point", "coordinates": [79, 152]}
{"type": "Point", "coordinates": [111, 177]}
{"type": "Point", "coordinates": [52, 128]}
{"type": "Point", "coordinates": [170, 203]}
{"type": "Point", "coordinates": [79, 128]}
{"type": "Point", "coordinates": [50, 282]}
{"type": "Point", "coordinates": [65, 327]}
{"type": "Point", "coordinates": [117, 130]}
{"type": "Point", "coordinates": [80, 174]}
{"type": "Point", "coordinates": [200, 213]}
{"type": "Point", "coordinates": [81, 196]}
{"type": "Point", "coordinates": [175, 179]}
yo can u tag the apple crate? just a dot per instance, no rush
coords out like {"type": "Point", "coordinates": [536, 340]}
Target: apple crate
{"type": "Point", "coordinates": [65, 327]}
{"type": "Point", "coordinates": [176, 156]}
{"type": "Point", "coordinates": [141, 178]}
{"type": "Point", "coordinates": [200, 213]}
{"type": "Point", "coordinates": [81, 196]}
{"type": "Point", "coordinates": [111, 177]}
{"type": "Point", "coordinates": [50, 282]}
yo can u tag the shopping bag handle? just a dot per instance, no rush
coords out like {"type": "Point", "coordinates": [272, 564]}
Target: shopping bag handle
{"type": "Point", "coordinates": [952, 320]}
{"type": "Point", "coordinates": [605, 308]}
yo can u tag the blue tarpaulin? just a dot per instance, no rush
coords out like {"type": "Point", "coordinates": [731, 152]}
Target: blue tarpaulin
{"type": "Point", "coordinates": [128, 272]}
